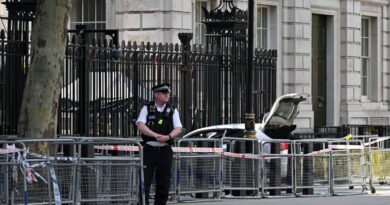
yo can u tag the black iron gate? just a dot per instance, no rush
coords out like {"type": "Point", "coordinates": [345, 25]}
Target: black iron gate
{"type": "Point", "coordinates": [14, 61]}
{"type": "Point", "coordinates": [226, 38]}
{"type": "Point", "coordinates": [105, 84]}
{"type": "Point", "coordinates": [120, 81]}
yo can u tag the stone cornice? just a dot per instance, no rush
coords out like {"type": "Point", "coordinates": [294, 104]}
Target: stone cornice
{"type": "Point", "coordinates": [380, 2]}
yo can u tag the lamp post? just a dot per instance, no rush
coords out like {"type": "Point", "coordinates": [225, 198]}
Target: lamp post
{"type": "Point", "coordinates": [185, 39]}
{"type": "Point", "coordinates": [249, 115]}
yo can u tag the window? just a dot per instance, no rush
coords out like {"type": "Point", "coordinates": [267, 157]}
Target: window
{"type": "Point", "coordinates": [208, 134]}
{"type": "Point", "coordinates": [365, 46]}
{"type": "Point", "coordinates": [200, 28]}
{"type": "Point", "coordinates": [371, 71]}
{"type": "Point", "coordinates": [262, 27]}
{"type": "Point", "coordinates": [91, 13]}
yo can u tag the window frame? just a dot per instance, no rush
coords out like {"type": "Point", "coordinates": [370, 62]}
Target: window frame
{"type": "Point", "coordinates": [267, 28]}
{"type": "Point", "coordinates": [368, 57]}
{"type": "Point", "coordinates": [95, 23]}
{"type": "Point", "coordinates": [201, 38]}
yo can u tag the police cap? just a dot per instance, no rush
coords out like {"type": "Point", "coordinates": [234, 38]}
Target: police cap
{"type": "Point", "coordinates": [164, 88]}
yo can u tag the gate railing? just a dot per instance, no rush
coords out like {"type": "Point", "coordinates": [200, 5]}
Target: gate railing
{"type": "Point", "coordinates": [105, 85]}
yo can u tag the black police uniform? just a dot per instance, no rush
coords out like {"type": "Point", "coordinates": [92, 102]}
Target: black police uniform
{"type": "Point", "coordinates": [158, 160]}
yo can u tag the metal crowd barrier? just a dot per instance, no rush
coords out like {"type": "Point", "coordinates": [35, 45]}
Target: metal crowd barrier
{"type": "Point", "coordinates": [349, 167]}
{"type": "Point", "coordinates": [74, 170]}
{"type": "Point", "coordinates": [312, 170]}
{"type": "Point", "coordinates": [314, 167]}
{"type": "Point", "coordinates": [368, 166]}
{"type": "Point", "coordinates": [30, 177]}
{"type": "Point", "coordinates": [115, 178]}
{"type": "Point", "coordinates": [241, 167]}
{"type": "Point", "coordinates": [198, 176]}
{"type": "Point", "coordinates": [15, 186]}
{"type": "Point", "coordinates": [379, 154]}
{"type": "Point", "coordinates": [276, 168]}
{"type": "Point", "coordinates": [71, 171]}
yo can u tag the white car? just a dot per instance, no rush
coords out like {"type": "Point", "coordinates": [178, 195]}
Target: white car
{"type": "Point", "coordinates": [277, 124]}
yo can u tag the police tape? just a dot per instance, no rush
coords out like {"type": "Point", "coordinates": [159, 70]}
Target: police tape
{"type": "Point", "coordinates": [377, 141]}
{"type": "Point", "coordinates": [198, 149]}
{"type": "Point", "coordinates": [240, 155]}
{"type": "Point", "coordinates": [322, 151]}
{"type": "Point", "coordinates": [347, 147]}
{"type": "Point", "coordinates": [212, 150]}
{"type": "Point", "coordinates": [333, 147]}
{"type": "Point", "coordinates": [8, 150]}
{"type": "Point", "coordinates": [254, 156]}
{"type": "Point", "coordinates": [56, 188]}
{"type": "Point", "coordinates": [174, 149]}
{"type": "Point", "coordinates": [206, 150]}
{"type": "Point", "coordinates": [330, 148]}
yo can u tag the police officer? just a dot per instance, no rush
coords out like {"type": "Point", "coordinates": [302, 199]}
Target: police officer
{"type": "Point", "coordinates": [159, 123]}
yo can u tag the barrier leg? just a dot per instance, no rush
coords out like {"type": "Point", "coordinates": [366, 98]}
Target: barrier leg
{"type": "Point", "coordinates": [88, 177]}
{"type": "Point", "coordinates": [308, 168]}
{"type": "Point", "coordinates": [297, 170]}
{"type": "Point", "coordinates": [200, 176]}
{"type": "Point", "coordinates": [240, 148]}
{"type": "Point", "coordinates": [275, 168]}
{"type": "Point", "coordinates": [289, 176]}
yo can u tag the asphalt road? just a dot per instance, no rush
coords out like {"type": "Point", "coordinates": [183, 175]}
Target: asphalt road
{"type": "Point", "coordinates": [381, 197]}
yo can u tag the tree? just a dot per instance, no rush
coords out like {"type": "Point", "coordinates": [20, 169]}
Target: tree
{"type": "Point", "coordinates": [38, 114]}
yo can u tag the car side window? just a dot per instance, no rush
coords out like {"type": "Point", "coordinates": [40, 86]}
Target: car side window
{"type": "Point", "coordinates": [217, 134]}
{"type": "Point", "coordinates": [235, 133]}
{"type": "Point", "coordinates": [208, 134]}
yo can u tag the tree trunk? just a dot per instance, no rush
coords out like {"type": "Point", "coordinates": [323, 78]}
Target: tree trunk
{"type": "Point", "coordinates": [38, 114]}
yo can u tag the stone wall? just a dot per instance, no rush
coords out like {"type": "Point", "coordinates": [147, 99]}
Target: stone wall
{"type": "Point", "coordinates": [290, 27]}
{"type": "Point", "coordinates": [150, 20]}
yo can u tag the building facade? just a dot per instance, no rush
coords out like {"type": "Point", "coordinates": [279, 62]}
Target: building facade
{"type": "Point", "coordinates": [335, 50]}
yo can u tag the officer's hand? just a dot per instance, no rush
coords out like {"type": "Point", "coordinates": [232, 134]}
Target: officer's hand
{"type": "Point", "coordinates": [162, 138]}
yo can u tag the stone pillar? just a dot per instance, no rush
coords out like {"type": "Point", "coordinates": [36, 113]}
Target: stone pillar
{"type": "Point", "coordinates": [386, 53]}
{"type": "Point", "coordinates": [350, 50]}
{"type": "Point", "coordinates": [296, 66]}
{"type": "Point", "coordinates": [296, 54]}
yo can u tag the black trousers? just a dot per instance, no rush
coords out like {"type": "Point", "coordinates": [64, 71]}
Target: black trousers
{"type": "Point", "coordinates": [157, 163]}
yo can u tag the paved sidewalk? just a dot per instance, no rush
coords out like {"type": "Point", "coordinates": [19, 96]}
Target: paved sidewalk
{"type": "Point", "coordinates": [381, 197]}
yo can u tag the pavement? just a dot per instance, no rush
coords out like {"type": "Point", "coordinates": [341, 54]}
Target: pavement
{"type": "Point", "coordinates": [381, 197]}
